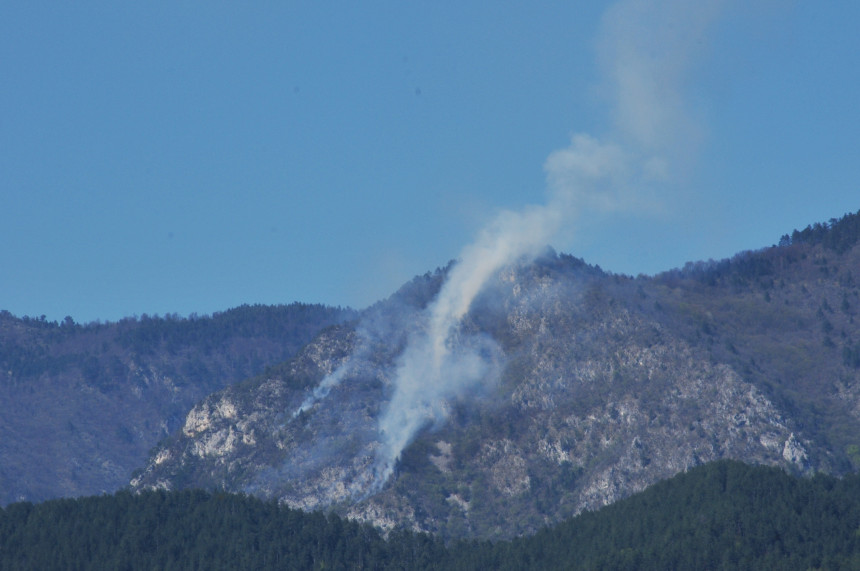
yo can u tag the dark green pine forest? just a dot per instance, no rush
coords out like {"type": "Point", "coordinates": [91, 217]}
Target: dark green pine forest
{"type": "Point", "coordinates": [723, 515]}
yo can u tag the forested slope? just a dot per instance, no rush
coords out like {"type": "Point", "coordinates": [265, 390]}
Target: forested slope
{"type": "Point", "coordinates": [590, 387]}
{"type": "Point", "coordinates": [80, 405]}
{"type": "Point", "coordinates": [724, 515]}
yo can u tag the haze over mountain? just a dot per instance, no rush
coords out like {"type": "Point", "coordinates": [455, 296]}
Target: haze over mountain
{"type": "Point", "coordinates": [559, 388]}
{"type": "Point", "coordinates": [510, 389]}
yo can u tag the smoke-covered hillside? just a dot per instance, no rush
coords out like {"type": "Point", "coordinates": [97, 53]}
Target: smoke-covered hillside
{"type": "Point", "coordinates": [491, 400]}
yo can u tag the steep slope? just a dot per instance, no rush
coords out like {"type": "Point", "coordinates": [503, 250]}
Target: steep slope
{"type": "Point", "coordinates": [723, 515]}
{"type": "Point", "coordinates": [786, 319]}
{"type": "Point", "coordinates": [82, 405]}
{"type": "Point", "coordinates": [593, 387]}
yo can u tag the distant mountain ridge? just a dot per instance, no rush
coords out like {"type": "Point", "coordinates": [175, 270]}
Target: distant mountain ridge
{"type": "Point", "coordinates": [606, 384]}
{"type": "Point", "coordinates": [81, 405]}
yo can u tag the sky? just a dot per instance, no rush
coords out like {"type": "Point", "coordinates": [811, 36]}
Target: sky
{"type": "Point", "coordinates": [189, 157]}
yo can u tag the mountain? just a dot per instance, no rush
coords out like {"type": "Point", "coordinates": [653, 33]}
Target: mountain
{"type": "Point", "coordinates": [82, 405]}
{"type": "Point", "coordinates": [562, 388]}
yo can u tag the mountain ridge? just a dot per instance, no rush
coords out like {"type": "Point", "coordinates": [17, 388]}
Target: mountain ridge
{"type": "Point", "coordinates": [594, 386]}
{"type": "Point", "coordinates": [81, 405]}
{"type": "Point", "coordinates": [606, 383]}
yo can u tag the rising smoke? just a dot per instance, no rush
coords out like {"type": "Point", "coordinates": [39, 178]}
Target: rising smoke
{"type": "Point", "coordinates": [644, 51]}
{"type": "Point", "coordinates": [324, 388]}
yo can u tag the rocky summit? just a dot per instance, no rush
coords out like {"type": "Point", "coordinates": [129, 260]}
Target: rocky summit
{"type": "Point", "coordinates": [563, 388]}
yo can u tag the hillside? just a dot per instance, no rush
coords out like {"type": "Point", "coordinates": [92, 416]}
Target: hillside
{"type": "Point", "coordinates": [723, 515]}
{"type": "Point", "coordinates": [82, 405]}
{"type": "Point", "coordinates": [565, 389]}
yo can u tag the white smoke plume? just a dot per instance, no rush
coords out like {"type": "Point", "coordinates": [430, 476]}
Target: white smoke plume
{"type": "Point", "coordinates": [644, 49]}
{"type": "Point", "coordinates": [322, 390]}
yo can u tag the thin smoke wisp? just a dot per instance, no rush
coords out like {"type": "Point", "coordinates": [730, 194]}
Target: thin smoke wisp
{"type": "Point", "coordinates": [323, 389]}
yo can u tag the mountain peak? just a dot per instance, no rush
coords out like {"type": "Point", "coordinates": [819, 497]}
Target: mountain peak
{"type": "Point", "coordinates": [562, 389]}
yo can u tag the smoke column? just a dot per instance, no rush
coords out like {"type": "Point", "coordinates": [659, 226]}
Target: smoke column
{"type": "Point", "coordinates": [644, 49]}
{"type": "Point", "coordinates": [439, 363]}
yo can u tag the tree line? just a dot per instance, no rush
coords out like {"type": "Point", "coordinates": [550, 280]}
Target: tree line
{"type": "Point", "coordinates": [723, 515]}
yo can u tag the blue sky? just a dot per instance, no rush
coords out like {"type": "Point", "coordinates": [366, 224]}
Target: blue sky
{"type": "Point", "coordinates": [178, 157]}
